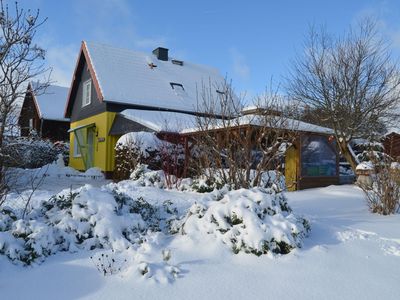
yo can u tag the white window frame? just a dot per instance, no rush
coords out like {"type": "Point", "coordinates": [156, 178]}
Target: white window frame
{"type": "Point", "coordinates": [30, 124]}
{"type": "Point", "coordinates": [87, 93]}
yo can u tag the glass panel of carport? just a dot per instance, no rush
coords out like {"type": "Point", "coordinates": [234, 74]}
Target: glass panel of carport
{"type": "Point", "coordinates": [312, 161]}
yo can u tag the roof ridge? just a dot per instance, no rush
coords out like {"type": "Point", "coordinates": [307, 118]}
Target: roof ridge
{"type": "Point", "coordinates": [145, 53]}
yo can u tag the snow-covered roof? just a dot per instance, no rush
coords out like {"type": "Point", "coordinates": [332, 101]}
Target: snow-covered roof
{"type": "Point", "coordinates": [131, 77]}
{"type": "Point", "coordinates": [274, 121]}
{"type": "Point", "coordinates": [51, 102]}
{"type": "Point", "coordinates": [186, 123]}
{"type": "Point", "coordinates": [161, 120]}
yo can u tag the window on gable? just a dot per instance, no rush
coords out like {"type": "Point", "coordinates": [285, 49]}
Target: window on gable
{"type": "Point", "coordinates": [87, 91]}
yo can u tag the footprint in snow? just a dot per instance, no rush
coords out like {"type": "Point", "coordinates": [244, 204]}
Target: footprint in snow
{"type": "Point", "coordinates": [388, 246]}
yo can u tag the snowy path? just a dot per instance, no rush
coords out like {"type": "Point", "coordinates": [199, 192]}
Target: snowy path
{"type": "Point", "coordinates": [351, 254]}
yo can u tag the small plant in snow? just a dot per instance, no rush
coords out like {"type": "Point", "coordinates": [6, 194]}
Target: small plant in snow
{"type": "Point", "coordinates": [163, 272]}
{"type": "Point", "coordinates": [166, 254]}
{"type": "Point", "coordinates": [109, 264]}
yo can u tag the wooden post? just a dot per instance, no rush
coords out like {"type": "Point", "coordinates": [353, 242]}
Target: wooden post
{"type": "Point", "coordinates": [186, 164]}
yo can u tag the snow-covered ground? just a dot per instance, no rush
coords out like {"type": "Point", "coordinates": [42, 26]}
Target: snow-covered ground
{"type": "Point", "coordinates": [350, 254]}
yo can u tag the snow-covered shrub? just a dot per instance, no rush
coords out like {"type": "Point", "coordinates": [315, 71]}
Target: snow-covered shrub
{"type": "Point", "coordinates": [257, 221]}
{"type": "Point", "coordinates": [378, 177]}
{"type": "Point", "coordinates": [205, 184]}
{"type": "Point", "coordinates": [143, 176]}
{"type": "Point", "coordinates": [364, 150]}
{"type": "Point", "coordinates": [137, 148]}
{"type": "Point", "coordinates": [28, 152]}
{"type": "Point", "coordinates": [133, 149]}
{"type": "Point", "coordinates": [86, 218]}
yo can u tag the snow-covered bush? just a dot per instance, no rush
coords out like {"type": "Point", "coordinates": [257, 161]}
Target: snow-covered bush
{"type": "Point", "coordinates": [143, 176]}
{"type": "Point", "coordinates": [133, 149]}
{"type": "Point", "coordinates": [30, 152]}
{"type": "Point", "coordinates": [257, 221]}
{"type": "Point", "coordinates": [86, 218]}
{"type": "Point", "coordinates": [382, 191]}
{"type": "Point", "coordinates": [136, 148]}
{"type": "Point", "coordinates": [378, 177]}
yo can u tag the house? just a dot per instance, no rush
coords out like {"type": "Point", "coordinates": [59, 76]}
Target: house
{"type": "Point", "coordinates": [391, 143]}
{"type": "Point", "coordinates": [43, 113]}
{"type": "Point", "coordinates": [115, 91]}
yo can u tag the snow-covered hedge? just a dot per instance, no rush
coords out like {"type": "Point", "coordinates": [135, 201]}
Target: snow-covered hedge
{"type": "Point", "coordinates": [122, 216]}
{"type": "Point", "coordinates": [257, 221]}
{"type": "Point", "coordinates": [86, 218]}
{"type": "Point", "coordinates": [28, 152]}
{"type": "Point", "coordinates": [143, 176]}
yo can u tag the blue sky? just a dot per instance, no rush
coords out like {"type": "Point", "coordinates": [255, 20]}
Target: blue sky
{"type": "Point", "coordinates": [249, 41]}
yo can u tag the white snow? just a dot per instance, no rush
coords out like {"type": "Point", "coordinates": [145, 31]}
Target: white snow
{"type": "Point", "coordinates": [125, 76]}
{"type": "Point", "coordinates": [365, 166]}
{"type": "Point", "coordinates": [161, 120]}
{"type": "Point", "coordinates": [350, 254]}
{"type": "Point", "coordinates": [270, 121]}
{"type": "Point", "coordinates": [51, 102]}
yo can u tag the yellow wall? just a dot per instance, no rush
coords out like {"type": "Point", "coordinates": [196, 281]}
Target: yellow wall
{"type": "Point", "coordinates": [104, 153]}
{"type": "Point", "coordinates": [291, 168]}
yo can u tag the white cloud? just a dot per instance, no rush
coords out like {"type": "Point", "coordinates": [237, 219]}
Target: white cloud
{"type": "Point", "coordinates": [384, 15]}
{"type": "Point", "coordinates": [240, 67]}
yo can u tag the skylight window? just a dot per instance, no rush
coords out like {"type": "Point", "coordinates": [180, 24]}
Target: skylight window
{"type": "Point", "coordinates": [175, 85]}
{"type": "Point", "coordinates": [177, 62]}
{"type": "Point", "coordinates": [178, 89]}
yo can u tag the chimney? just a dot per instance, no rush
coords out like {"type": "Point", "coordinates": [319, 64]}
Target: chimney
{"type": "Point", "coordinates": [161, 53]}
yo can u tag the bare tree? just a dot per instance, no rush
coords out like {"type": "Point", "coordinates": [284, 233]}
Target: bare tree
{"type": "Point", "coordinates": [237, 147]}
{"type": "Point", "coordinates": [351, 81]}
{"type": "Point", "coordinates": [21, 60]}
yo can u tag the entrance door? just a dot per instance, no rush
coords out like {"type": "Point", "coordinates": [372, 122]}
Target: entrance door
{"type": "Point", "coordinates": [84, 142]}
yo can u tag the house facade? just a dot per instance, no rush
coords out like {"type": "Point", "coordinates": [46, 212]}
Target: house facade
{"type": "Point", "coordinates": [43, 113]}
{"type": "Point", "coordinates": [391, 143]}
{"type": "Point", "coordinates": [115, 91]}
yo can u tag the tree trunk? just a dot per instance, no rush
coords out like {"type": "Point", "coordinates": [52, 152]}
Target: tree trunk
{"type": "Point", "coordinates": [348, 155]}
